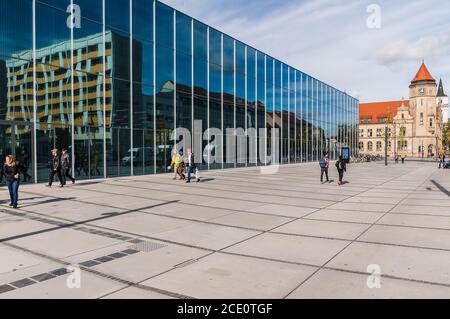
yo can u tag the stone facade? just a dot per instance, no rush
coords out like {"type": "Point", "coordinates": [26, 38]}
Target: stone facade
{"type": "Point", "coordinates": [413, 127]}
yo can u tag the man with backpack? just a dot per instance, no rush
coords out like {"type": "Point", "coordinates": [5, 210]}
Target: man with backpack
{"type": "Point", "coordinates": [341, 167]}
{"type": "Point", "coordinates": [324, 165]}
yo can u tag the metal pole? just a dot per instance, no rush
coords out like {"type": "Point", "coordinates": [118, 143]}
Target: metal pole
{"type": "Point", "coordinates": [386, 146]}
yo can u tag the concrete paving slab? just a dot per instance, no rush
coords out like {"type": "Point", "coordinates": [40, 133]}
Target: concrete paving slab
{"type": "Point", "coordinates": [325, 229]}
{"type": "Point", "coordinates": [346, 216]}
{"type": "Point", "coordinates": [378, 208]}
{"type": "Point", "coordinates": [439, 222]}
{"type": "Point", "coordinates": [401, 262]}
{"type": "Point", "coordinates": [63, 242]}
{"type": "Point", "coordinates": [252, 221]}
{"type": "Point", "coordinates": [207, 236]}
{"type": "Point", "coordinates": [15, 259]}
{"type": "Point", "coordinates": [331, 284]}
{"type": "Point", "coordinates": [283, 210]}
{"type": "Point", "coordinates": [226, 276]}
{"type": "Point", "coordinates": [135, 293]}
{"type": "Point", "coordinates": [297, 249]}
{"type": "Point", "coordinates": [142, 265]}
{"type": "Point", "coordinates": [417, 237]}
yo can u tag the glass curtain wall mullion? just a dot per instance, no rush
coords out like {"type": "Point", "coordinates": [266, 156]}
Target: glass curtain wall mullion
{"type": "Point", "coordinates": [246, 105]}
{"type": "Point", "coordinates": [222, 96]}
{"type": "Point", "coordinates": [192, 80]}
{"type": "Point", "coordinates": [301, 116]}
{"type": "Point", "coordinates": [34, 96]}
{"type": "Point", "coordinates": [295, 115]}
{"type": "Point", "coordinates": [256, 106]}
{"type": "Point", "coordinates": [104, 86]}
{"type": "Point", "coordinates": [175, 76]}
{"type": "Point", "coordinates": [72, 94]}
{"type": "Point", "coordinates": [234, 102]}
{"type": "Point", "coordinates": [208, 91]}
{"type": "Point", "coordinates": [131, 91]}
{"type": "Point", "coordinates": [154, 88]}
{"type": "Point", "coordinates": [288, 116]}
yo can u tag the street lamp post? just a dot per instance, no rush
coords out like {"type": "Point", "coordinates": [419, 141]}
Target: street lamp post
{"type": "Point", "coordinates": [386, 146]}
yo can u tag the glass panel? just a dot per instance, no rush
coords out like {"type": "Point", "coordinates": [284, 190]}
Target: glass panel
{"type": "Point", "coordinates": [228, 93]}
{"type": "Point", "coordinates": [164, 84]}
{"type": "Point", "coordinates": [16, 29]}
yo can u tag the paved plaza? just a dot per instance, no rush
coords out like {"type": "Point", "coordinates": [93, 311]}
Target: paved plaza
{"type": "Point", "coordinates": [237, 234]}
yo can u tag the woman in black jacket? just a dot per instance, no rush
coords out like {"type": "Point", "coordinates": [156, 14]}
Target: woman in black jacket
{"type": "Point", "coordinates": [11, 172]}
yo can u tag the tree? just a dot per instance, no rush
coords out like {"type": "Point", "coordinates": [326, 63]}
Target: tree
{"type": "Point", "coordinates": [446, 135]}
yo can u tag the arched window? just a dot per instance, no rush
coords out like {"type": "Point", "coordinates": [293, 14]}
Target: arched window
{"type": "Point", "coordinates": [370, 146]}
{"type": "Point", "coordinates": [379, 146]}
{"type": "Point", "coordinates": [361, 146]}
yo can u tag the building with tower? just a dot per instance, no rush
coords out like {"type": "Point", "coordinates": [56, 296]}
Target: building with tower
{"type": "Point", "coordinates": [413, 127]}
{"type": "Point", "coordinates": [442, 101]}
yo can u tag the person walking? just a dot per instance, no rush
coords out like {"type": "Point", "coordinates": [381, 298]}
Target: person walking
{"type": "Point", "coordinates": [442, 160]}
{"type": "Point", "coordinates": [65, 167]}
{"type": "Point", "coordinates": [341, 167]}
{"type": "Point", "coordinates": [182, 167]}
{"type": "Point", "coordinates": [175, 164]}
{"type": "Point", "coordinates": [55, 168]}
{"type": "Point", "coordinates": [192, 167]}
{"type": "Point", "coordinates": [11, 171]}
{"type": "Point", "coordinates": [324, 165]}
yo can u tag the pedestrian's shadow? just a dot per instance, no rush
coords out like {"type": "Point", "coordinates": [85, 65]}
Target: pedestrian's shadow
{"type": "Point", "coordinates": [345, 182]}
{"type": "Point", "coordinates": [205, 180]}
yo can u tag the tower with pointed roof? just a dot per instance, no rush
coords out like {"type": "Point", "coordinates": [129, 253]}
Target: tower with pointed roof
{"type": "Point", "coordinates": [442, 101]}
{"type": "Point", "coordinates": [428, 116]}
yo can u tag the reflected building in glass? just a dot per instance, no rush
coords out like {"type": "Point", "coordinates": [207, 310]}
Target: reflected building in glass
{"type": "Point", "coordinates": [112, 80]}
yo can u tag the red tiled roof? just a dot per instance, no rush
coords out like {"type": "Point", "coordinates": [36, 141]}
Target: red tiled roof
{"type": "Point", "coordinates": [379, 110]}
{"type": "Point", "coordinates": [423, 74]}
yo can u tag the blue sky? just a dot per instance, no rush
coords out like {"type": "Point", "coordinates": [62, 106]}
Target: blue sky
{"type": "Point", "coordinates": [330, 40]}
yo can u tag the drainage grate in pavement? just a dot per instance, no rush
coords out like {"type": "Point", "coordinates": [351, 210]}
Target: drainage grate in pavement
{"type": "Point", "coordinates": [62, 271]}
{"type": "Point", "coordinates": [117, 255]}
{"type": "Point", "coordinates": [6, 288]}
{"type": "Point", "coordinates": [104, 259]}
{"type": "Point", "coordinates": [23, 283]}
{"type": "Point", "coordinates": [43, 277]}
{"type": "Point", "coordinates": [90, 263]}
{"type": "Point", "coordinates": [147, 246]}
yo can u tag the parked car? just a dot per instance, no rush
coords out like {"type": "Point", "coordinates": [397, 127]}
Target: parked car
{"type": "Point", "coordinates": [138, 155]}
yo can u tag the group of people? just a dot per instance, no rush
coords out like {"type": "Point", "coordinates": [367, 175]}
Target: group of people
{"type": "Point", "coordinates": [182, 164]}
{"type": "Point", "coordinates": [60, 166]}
{"type": "Point", "coordinates": [325, 165]}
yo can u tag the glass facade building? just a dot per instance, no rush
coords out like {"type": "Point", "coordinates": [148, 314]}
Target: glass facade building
{"type": "Point", "coordinates": [110, 80]}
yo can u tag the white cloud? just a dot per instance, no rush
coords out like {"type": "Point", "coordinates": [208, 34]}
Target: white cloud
{"type": "Point", "coordinates": [400, 51]}
{"type": "Point", "coordinates": [329, 39]}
